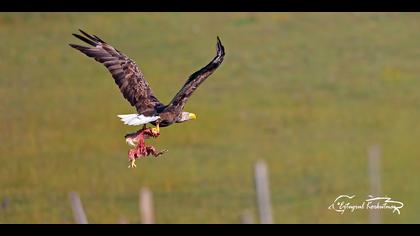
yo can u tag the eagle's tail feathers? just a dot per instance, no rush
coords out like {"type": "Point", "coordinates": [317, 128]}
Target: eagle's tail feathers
{"type": "Point", "coordinates": [136, 119]}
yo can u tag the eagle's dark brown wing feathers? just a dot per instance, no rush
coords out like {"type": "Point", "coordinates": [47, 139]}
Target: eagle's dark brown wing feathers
{"type": "Point", "coordinates": [125, 72]}
{"type": "Point", "coordinates": [178, 102]}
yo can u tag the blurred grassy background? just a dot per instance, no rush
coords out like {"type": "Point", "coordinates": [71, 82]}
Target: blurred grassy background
{"type": "Point", "coordinates": [307, 92]}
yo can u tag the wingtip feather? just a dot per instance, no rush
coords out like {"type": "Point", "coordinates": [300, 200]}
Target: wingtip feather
{"type": "Point", "coordinates": [86, 40]}
{"type": "Point", "coordinates": [220, 48]}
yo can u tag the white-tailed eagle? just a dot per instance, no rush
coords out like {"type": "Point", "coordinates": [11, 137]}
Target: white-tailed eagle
{"type": "Point", "coordinates": [137, 91]}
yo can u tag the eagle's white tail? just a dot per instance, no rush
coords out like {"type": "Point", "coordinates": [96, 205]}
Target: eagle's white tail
{"type": "Point", "coordinates": [136, 119]}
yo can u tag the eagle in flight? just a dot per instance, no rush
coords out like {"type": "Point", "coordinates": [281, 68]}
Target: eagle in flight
{"type": "Point", "coordinates": [137, 91]}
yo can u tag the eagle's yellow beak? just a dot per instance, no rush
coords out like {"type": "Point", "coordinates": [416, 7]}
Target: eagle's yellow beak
{"type": "Point", "coordinates": [192, 116]}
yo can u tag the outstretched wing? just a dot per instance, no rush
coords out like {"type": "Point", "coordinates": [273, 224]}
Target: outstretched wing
{"type": "Point", "coordinates": [178, 102]}
{"type": "Point", "coordinates": [125, 72]}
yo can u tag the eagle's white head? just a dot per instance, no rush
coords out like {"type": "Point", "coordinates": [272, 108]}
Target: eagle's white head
{"type": "Point", "coordinates": [185, 116]}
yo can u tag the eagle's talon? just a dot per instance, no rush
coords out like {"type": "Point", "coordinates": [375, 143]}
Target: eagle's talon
{"type": "Point", "coordinates": [156, 130]}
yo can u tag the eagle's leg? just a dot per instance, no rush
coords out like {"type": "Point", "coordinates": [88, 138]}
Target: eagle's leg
{"type": "Point", "coordinates": [156, 129]}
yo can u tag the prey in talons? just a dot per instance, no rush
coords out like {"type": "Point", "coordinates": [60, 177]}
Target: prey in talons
{"type": "Point", "coordinates": [140, 148]}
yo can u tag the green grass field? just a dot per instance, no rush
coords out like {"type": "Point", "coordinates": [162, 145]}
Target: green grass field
{"type": "Point", "coordinates": [307, 93]}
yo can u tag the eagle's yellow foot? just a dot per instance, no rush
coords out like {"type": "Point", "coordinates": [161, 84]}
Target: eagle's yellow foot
{"type": "Point", "coordinates": [132, 163]}
{"type": "Point", "coordinates": [156, 129]}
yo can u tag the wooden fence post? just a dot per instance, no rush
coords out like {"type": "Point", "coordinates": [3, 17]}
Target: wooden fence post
{"type": "Point", "coordinates": [146, 206]}
{"type": "Point", "coordinates": [77, 207]}
{"type": "Point", "coordinates": [374, 179]}
{"type": "Point", "coordinates": [246, 218]}
{"type": "Point", "coordinates": [123, 220]}
{"type": "Point", "coordinates": [263, 193]}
